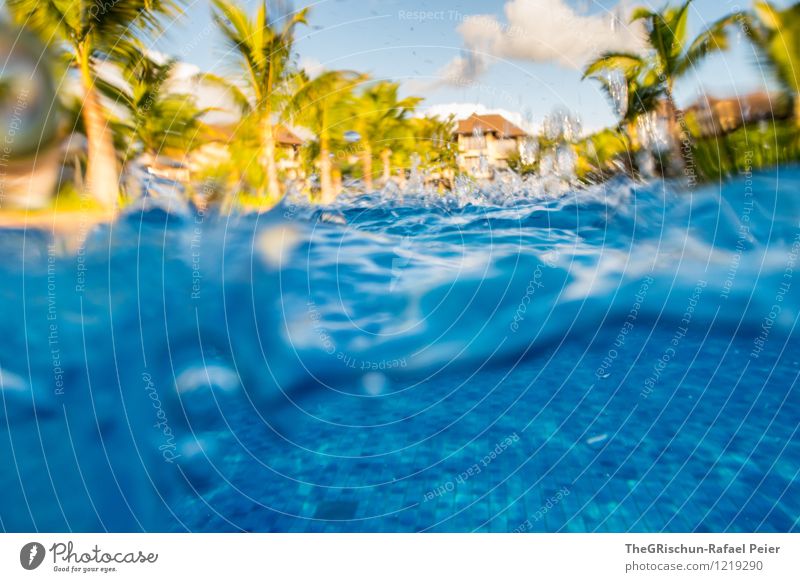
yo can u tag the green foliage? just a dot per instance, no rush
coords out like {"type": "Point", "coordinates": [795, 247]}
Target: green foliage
{"type": "Point", "coordinates": [379, 113]}
{"type": "Point", "coordinates": [432, 138]}
{"type": "Point", "coordinates": [243, 172]}
{"type": "Point", "coordinates": [93, 27]}
{"type": "Point", "coordinates": [158, 120]}
{"type": "Point", "coordinates": [650, 78]}
{"type": "Point", "coordinates": [601, 155]}
{"type": "Point", "coordinates": [776, 35]}
{"type": "Point", "coordinates": [642, 88]}
{"type": "Point", "coordinates": [382, 121]}
{"type": "Point", "coordinates": [522, 168]}
{"type": "Point", "coordinates": [263, 48]}
{"type": "Point", "coordinates": [761, 145]}
{"type": "Point", "coordinates": [324, 104]}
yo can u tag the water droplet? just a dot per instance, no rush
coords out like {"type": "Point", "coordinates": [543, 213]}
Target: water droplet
{"type": "Point", "coordinates": [276, 242]}
{"type": "Point", "coordinates": [374, 383]}
{"type": "Point", "coordinates": [596, 440]}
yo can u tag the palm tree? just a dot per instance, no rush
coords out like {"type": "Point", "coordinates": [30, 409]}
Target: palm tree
{"type": "Point", "coordinates": [158, 118]}
{"type": "Point", "coordinates": [322, 105]}
{"type": "Point", "coordinates": [94, 31]}
{"type": "Point", "coordinates": [666, 34]}
{"type": "Point", "coordinates": [379, 115]}
{"type": "Point", "coordinates": [776, 35]}
{"type": "Point", "coordinates": [671, 57]}
{"type": "Point", "coordinates": [264, 49]}
{"type": "Point", "coordinates": [632, 88]}
{"type": "Point", "coordinates": [432, 139]}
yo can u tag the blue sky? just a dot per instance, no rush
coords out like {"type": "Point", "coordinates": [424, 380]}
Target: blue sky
{"type": "Point", "coordinates": [417, 42]}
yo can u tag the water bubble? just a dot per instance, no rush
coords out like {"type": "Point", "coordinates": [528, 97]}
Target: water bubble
{"type": "Point", "coordinates": [566, 158]}
{"type": "Point", "coordinates": [646, 163]}
{"type": "Point", "coordinates": [483, 165]}
{"type": "Point", "coordinates": [561, 125]}
{"type": "Point", "coordinates": [16, 395]}
{"type": "Point", "coordinates": [653, 132]}
{"type": "Point", "coordinates": [276, 242]}
{"type": "Point", "coordinates": [333, 217]}
{"type": "Point", "coordinates": [597, 440]}
{"type": "Point", "coordinates": [352, 136]}
{"type": "Point", "coordinates": [374, 383]}
{"type": "Point", "coordinates": [205, 391]}
{"type": "Point", "coordinates": [195, 456]}
{"type": "Point", "coordinates": [618, 92]}
{"type": "Point", "coordinates": [528, 151]}
{"type": "Point", "coordinates": [416, 182]}
{"type": "Point", "coordinates": [547, 163]}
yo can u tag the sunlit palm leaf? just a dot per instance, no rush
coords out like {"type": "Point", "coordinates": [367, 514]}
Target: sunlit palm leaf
{"type": "Point", "coordinates": [712, 39]}
{"type": "Point", "coordinates": [610, 61]}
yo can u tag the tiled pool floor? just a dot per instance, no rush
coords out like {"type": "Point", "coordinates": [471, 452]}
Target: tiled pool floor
{"type": "Point", "coordinates": [547, 447]}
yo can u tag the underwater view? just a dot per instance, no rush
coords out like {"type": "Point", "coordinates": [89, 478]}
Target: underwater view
{"type": "Point", "coordinates": [258, 290]}
{"type": "Point", "coordinates": [622, 358]}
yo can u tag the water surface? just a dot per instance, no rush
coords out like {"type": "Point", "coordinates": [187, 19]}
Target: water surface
{"type": "Point", "coordinates": [622, 358]}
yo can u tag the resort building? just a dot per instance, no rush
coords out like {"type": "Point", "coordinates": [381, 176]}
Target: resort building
{"type": "Point", "coordinates": [720, 116]}
{"type": "Point", "coordinates": [485, 143]}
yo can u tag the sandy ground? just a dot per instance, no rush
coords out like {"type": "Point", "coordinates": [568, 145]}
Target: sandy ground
{"type": "Point", "coordinates": [58, 221]}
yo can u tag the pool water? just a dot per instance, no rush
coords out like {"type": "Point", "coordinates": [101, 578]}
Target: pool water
{"type": "Point", "coordinates": [622, 358]}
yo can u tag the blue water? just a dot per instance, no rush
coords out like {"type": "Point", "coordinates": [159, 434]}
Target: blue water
{"type": "Point", "coordinates": [622, 358]}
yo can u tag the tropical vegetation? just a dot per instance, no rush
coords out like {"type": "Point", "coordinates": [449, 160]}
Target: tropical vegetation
{"type": "Point", "coordinates": [642, 85]}
{"type": "Point", "coordinates": [263, 49]}
{"type": "Point", "coordinates": [91, 34]}
{"type": "Point", "coordinates": [362, 133]}
{"type": "Point", "coordinates": [380, 119]}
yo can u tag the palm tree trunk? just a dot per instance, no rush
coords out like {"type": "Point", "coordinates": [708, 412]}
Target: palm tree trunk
{"type": "Point", "coordinates": [102, 173]}
{"type": "Point", "coordinates": [327, 193]}
{"type": "Point", "coordinates": [273, 185]}
{"type": "Point", "coordinates": [632, 134]}
{"type": "Point", "coordinates": [796, 109]}
{"type": "Point", "coordinates": [628, 133]}
{"type": "Point", "coordinates": [386, 160]}
{"type": "Point", "coordinates": [679, 134]}
{"type": "Point", "coordinates": [366, 160]}
{"type": "Point", "coordinates": [78, 173]}
{"type": "Point", "coordinates": [337, 181]}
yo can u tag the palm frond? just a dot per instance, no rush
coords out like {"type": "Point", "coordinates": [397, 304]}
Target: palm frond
{"type": "Point", "coordinates": [767, 15]}
{"type": "Point", "coordinates": [240, 100]}
{"type": "Point", "coordinates": [641, 13]}
{"type": "Point", "coordinates": [114, 93]}
{"type": "Point", "coordinates": [677, 30]}
{"type": "Point", "coordinates": [712, 39]}
{"type": "Point", "coordinates": [610, 61]}
{"type": "Point", "coordinates": [47, 18]}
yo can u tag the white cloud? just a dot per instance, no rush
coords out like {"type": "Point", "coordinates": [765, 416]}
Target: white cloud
{"type": "Point", "coordinates": [464, 69]}
{"type": "Point", "coordinates": [540, 31]}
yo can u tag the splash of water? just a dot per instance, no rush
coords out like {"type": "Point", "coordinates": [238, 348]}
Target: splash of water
{"type": "Point", "coordinates": [618, 92]}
